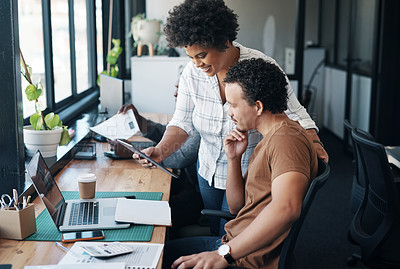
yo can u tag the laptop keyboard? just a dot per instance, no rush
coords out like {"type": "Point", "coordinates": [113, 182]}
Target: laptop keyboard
{"type": "Point", "coordinates": [84, 213]}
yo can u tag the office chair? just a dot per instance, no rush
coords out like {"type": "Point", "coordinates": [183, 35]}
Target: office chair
{"type": "Point", "coordinates": [376, 224]}
{"type": "Point", "coordinates": [286, 260]}
{"type": "Point", "coordinates": [358, 187]}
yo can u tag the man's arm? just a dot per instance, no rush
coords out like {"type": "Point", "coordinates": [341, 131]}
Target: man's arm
{"type": "Point", "coordinates": [288, 191]}
{"type": "Point", "coordinates": [235, 143]}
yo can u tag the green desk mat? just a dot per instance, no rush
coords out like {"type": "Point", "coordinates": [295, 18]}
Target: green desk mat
{"type": "Point", "coordinates": [47, 231]}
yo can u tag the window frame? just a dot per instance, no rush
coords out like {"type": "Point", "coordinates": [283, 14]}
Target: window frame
{"type": "Point", "coordinates": [69, 102]}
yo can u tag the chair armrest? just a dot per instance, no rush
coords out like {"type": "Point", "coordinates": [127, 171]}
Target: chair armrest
{"type": "Point", "coordinates": [218, 213]}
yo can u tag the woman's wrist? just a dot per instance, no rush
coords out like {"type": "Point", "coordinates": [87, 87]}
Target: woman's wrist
{"type": "Point", "coordinates": [319, 142]}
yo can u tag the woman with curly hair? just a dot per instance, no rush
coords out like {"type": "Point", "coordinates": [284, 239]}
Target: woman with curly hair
{"type": "Point", "coordinates": [207, 30]}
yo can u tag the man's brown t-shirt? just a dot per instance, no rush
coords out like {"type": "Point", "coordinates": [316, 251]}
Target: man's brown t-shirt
{"type": "Point", "coordinates": [286, 148]}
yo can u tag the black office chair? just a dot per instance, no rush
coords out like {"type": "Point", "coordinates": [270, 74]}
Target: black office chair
{"type": "Point", "coordinates": [286, 260]}
{"type": "Point", "coordinates": [376, 224]}
{"type": "Point", "coordinates": [358, 187]}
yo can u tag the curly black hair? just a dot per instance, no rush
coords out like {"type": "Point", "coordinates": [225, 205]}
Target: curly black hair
{"type": "Point", "coordinates": [260, 80]}
{"type": "Point", "coordinates": [207, 23]}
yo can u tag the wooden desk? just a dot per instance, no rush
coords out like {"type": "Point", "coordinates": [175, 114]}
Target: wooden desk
{"type": "Point", "coordinates": [112, 175]}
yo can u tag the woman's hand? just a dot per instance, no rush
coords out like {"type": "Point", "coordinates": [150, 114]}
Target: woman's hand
{"type": "Point", "coordinates": [153, 152]}
{"type": "Point", "coordinates": [235, 143]}
{"type": "Point", "coordinates": [126, 107]}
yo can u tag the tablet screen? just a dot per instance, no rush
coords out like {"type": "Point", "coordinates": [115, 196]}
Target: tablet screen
{"type": "Point", "coordinates": [142, 155]}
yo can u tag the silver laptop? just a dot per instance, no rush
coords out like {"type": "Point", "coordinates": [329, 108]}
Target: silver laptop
{"type": "Point", "coordinates": [71, 215]}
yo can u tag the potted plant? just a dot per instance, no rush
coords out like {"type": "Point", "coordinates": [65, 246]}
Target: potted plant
{"type": "Point", "coordinates": [145, 32]}
{"type": "Point", "coordinates": [112, 58]}
{"type": "Point", "coordinates": [46, 132]}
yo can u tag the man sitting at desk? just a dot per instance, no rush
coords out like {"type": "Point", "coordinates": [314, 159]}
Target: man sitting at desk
{"type": "Point", "coordinates": [268, 198]}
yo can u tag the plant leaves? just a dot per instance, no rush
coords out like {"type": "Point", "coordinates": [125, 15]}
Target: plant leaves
{"type": "Point", "coordinates": [114, 53]}
{"type": "Point", "coordinates": [116, 42]}
{"type": "Point", "coordinates": [36, 121]}
{"type": "Point", "coordinates": [52, 120]}
{"type": "Point", "coordinates": [32, 92]}
{"type": "Point", "coordinates": [64, 136]}
{"type": "Point", "coordinates": [111, 58]}
{"type": "Point", "coordinates": [114, 70]}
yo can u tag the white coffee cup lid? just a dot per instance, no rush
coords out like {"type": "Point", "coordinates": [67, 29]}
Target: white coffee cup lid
{"type": "Point", "coordinates": [86, 177]}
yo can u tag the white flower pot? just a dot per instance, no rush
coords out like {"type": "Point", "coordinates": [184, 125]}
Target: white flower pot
{"type": "Point", "coordinates": [146, 31]}
{"type": "Point", "coordinates": [44, 140]}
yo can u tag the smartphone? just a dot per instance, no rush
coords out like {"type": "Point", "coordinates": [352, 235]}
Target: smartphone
{"type": "Point", "coordinates": [80, 236]}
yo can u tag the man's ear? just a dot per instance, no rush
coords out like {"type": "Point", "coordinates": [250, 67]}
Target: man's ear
{"type": "Point", "coordinates": [259, 106]}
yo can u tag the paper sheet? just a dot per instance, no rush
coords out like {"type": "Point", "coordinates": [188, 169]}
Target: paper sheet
{"type": "Point", "coordinates": [119, 265]}
{"type": "Point", "coordinates": [144, 255]}
{"type": "Point", "coordinates": [121, 126]}
{"type": "Point", "coordinates": [143, 212]}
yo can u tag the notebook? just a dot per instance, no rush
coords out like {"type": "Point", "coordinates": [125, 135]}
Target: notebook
{"type": "Point", "coordinates": [71, 215]}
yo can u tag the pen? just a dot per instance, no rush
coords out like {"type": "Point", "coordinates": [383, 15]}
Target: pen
{"type": "Point", "coordinates": [15, 196]}
{"type": "Point", "coordinates": [11, 202]}
{"type": "Point", "coordinates": [28, 199]}
{"type": "Point", "coordinates": [61, 246]}
{"type": "Point", "coordinates": [24, 202]}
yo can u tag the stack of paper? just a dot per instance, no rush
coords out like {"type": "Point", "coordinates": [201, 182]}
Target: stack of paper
{"type": "Point", "coordinates": [143, 212]}
{"type": "Point", "coordinates": [144, 256]}
{"type": "Point", "coordinates": [79, 266]}
{"type": "Point", "coordinates": [121, 126]}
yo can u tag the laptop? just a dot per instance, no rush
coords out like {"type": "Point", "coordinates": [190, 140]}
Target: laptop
{"type": "Point", "coordinates": [71, 215]}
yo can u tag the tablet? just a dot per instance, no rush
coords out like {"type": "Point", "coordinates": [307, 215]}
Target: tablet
{"type": "Point", "coordinates": [142, 155]}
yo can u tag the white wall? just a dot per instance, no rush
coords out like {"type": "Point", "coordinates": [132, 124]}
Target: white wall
{"type": "Point", "coordinates": [252, 15]}
{"type": "Point", "coordinates": [360, 102]}
{"type": "Point", "coordinates": [334, 100]}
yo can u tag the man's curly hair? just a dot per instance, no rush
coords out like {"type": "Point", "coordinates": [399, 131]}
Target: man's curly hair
{"type": "Point", "coordinates": [207, 23]}
{"type": "Point", "coordinates": [260, 80]}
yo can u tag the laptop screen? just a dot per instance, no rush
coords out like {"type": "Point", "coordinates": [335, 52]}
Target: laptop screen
{"type": "Point", "coordinates": [45, 186]}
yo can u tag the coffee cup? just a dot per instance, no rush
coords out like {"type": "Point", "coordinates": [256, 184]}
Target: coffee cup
{"type": "Point", "coordinates": [87, 185]}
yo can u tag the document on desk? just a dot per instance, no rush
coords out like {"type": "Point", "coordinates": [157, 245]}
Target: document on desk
{"type": "Point", "coordinates": [144, 255]}
{"type": "Point", "coordinates": [119, 265]}
{"type": "Point", "coordinates": [143, 212]}
{"type": "Point", "coordinates": [118, 126]}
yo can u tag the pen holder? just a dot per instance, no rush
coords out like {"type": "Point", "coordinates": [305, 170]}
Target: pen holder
{"type": "Point", "coordinates": [17, 224]}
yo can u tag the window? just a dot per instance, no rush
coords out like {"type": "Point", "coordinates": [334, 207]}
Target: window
{"type": "Point", "coordinates": [58, 40]}
{"type": "Point", "coordinates": [81, 46]}
{"type": "Point", "coordinates": [61, 49]}
{"type": "Point", "coordinates": [364, 33]}
{"type": "Point", "coordinates": [31, 45]}
{"type": "Point", "coordinates": [343, 34]}
{"type": "Point", "coordinates": [99, 36]}
{"type": "Point", "coordinates": [339, 17]}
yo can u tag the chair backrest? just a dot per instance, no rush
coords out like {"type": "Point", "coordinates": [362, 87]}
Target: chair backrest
{"type": "Point", "coordinates": [359, 181]}
{"type": "Point", "coordinates": [286, 260]}
{"type": "Point", "coordinates": [372, 225]}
